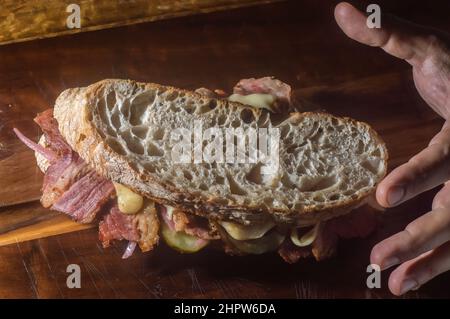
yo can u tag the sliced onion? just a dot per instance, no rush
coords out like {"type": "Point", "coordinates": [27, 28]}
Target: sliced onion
{"type": "Point", "coordinates": [48, 154]}
{"type": "Point", "coordinates": [305, 240]}
{"type": "Point", "coordinates": [167, 215]}
{"type": "Point", "coordinates": [129, 250]}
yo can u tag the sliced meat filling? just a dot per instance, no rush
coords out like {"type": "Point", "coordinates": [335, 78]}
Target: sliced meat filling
{"type": "Point", "coordinates": [357, 224]}
{"type": "Point", "coordinates": [71, 187]}
{"type": "Point", "coordinates": [117, 226]}
{"type": "Point", "coordinates": [54, 139]}
{"type": "Point", "coordinates": [291, 253]}
{"type": "Point", "coordinates": [141, 228]}
{"type": "Point", "coordinates": [60, 176]}
{"type": "Point", "coordinates": [188, 223]}
{"type": "Point", "coordinates": [85, 197]}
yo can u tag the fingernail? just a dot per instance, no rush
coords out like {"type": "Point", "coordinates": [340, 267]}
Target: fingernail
{"type": "Point", "coordinates": [416, 288]}
{"type": "Point", "coordinates": [408, 284]}
{"type": "Point", "coordinates": [395, 195]}
{"type": "Point", "coordinates": [390, 262]}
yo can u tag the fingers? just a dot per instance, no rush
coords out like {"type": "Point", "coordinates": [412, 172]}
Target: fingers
{"type": "Point", "coordinates": [353, 23]}
{"type": "Point", "coordinates": [399, 38]}
{"type": "Point", "coordinates": [423, 234]}
{"type": "Point", "coordinates": [442, 198]}
{"type": "Point", "coordinates": [414, 273]}
{"type": "Point", "coordinates": [424, 171]}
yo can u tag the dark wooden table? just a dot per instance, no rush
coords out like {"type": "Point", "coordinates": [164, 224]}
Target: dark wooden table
{"type": "Point", "coordinates": [296, 41]}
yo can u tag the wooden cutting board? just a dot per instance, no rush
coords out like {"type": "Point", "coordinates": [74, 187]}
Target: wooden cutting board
{"type": "Point", "coordinates": [214, 51]}
{"type": "Point", "coordinates": [22, 20]}
{"type": "Point", "coordinates": [32, 221]}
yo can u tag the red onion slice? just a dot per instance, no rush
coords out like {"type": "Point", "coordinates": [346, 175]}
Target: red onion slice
{"type": "Point", "coordinates": [48, 154]}
{"type": "Point", "coordinates": [129, 250]}
{"type": "Point", "coordinates": [166, 218]}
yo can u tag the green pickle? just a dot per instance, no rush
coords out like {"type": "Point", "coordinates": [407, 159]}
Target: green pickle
{"type": "Point", "coordinates": [181, 241]}
{"type": "Point", "coordinates": [267, 243]}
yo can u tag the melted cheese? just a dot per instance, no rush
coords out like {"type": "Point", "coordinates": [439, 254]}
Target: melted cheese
{"type": "Point", "coordinates": [129, 202]}
{"type": "Point", "coordinates": [305, 240]}
{"type": "Point", "coordinates": [241, 232]}
{"type": "Point", "coordinates": [258, 100]}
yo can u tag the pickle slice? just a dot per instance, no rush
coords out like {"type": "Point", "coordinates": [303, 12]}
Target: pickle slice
{"type": "Point", "coordinates": [270, 242]}
{"type": "Point", "coordinates": [181, 241]}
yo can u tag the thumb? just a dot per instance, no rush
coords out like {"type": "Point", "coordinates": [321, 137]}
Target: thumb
{"type": "Point", "coordinates": [399, 38]}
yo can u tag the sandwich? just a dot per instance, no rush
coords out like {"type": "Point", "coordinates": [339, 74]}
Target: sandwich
{"type": "Point", "coordinates": [249, 173]}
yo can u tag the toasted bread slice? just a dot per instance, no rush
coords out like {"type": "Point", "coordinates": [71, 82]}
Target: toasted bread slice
{"type": "Point", "coordinates": [327, 165]}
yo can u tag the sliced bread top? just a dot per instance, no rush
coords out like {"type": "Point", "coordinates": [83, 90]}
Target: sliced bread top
{"type": "Point", "coordinates": [122, 128]}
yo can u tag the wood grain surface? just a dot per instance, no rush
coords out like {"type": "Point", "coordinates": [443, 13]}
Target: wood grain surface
{"type": "Point", "coordinates": [296, 41]}
{"type": "Point", "coordinates": [22, 20]}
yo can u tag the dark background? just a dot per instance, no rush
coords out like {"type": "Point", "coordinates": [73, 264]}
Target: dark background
{"type": "Point", "coordinates": [295, 41]}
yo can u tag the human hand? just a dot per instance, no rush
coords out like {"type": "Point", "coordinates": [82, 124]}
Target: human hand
{"type": "Point", "coordinates": [423, 248]}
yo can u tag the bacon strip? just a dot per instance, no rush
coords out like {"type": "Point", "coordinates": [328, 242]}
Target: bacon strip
{"type": "Point", "coordinates": [85, 197]}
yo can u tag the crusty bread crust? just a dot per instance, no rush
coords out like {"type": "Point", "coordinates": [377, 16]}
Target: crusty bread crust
{"type": "Point", "coordinates": [74, 113]}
